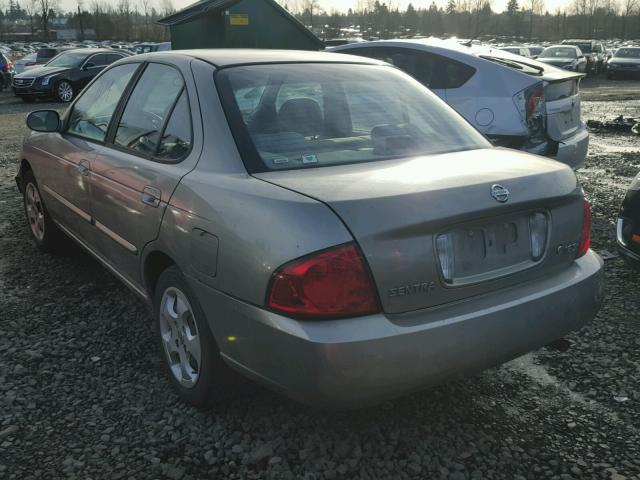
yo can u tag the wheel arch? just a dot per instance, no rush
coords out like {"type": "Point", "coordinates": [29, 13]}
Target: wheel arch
{"type": "Point", "coordinates": [25, 167]}
{"type": "Point", "coordinates": [155, 262]}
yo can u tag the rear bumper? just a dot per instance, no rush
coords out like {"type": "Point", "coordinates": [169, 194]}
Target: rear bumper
{"type": "Point", "coordinates": [625, 246]}
{"type": "Point", "coordinates": [573, 150]}
{"type": "Point", "coordinates": [357, 362]}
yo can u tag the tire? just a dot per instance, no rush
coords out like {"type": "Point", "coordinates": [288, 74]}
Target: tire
{"type": "Point", "coordinates": [182, 332]}
{"type": "Point", "coordinates": [64, 91]}
{"type": "Point", "coordinates": [44, 232]}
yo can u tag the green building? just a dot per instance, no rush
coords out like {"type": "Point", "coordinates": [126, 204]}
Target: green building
{"type": "Point", "coordinates": [238, 24]}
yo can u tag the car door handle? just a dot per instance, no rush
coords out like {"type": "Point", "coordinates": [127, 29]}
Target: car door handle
{"type": "Point", "coordinates": [83, 168]}
{"type": "Point", "coordinates": [151, 196]}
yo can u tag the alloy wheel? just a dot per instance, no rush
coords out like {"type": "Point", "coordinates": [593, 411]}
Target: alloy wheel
{"type": "Point", "coordinates": [180, 337]}
{"type": "Point", "coordinates": [35, 211]}
{"type": "Point", "coordinates": [65, 91]}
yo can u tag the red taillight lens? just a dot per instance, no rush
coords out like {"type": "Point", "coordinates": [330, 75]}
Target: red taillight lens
{"type": "Point", "coordinates": [585, 236]}
{"type": "Point", "coordinates": [533, 100]}
{"type": "Point", "coordinates": [333, 283]}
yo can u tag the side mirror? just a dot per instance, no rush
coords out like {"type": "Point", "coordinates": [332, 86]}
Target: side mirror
{"type": "Point", "coordinates": [88, 65]}
{"type": "Point", "coordinates": [44, 121]}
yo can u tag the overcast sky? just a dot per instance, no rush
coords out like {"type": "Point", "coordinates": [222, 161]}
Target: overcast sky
{"type": "Point", "coordinates": [498, 5]}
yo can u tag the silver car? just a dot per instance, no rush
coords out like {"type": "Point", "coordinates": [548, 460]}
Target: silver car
{"type": "Point", "coordinates": [321, 223]}
{"type": "Point", "coordinates": [516, 102]}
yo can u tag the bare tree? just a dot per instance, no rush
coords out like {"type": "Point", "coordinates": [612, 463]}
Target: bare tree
{"type": "Point", "coordinates": [47, 8]}
{"type": "Point", "coordinates": [534, 7]}
{"type": "Point", "coordinates": [628, 8]}
{"type": "Point", "coordinates": [124, 12]}
{"type": "Point", "coordinates": [32, 8]}
{"type": "Point", "coordinates": [146, 10]}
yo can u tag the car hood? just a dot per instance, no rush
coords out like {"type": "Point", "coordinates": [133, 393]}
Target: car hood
{"type": "Point", "coordinates": [395, 209]}
{"type": "Point", "coordinates": [42, 71]}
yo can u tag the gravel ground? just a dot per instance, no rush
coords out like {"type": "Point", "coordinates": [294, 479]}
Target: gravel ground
{"type": "Point", "coordinates": [82, 394]}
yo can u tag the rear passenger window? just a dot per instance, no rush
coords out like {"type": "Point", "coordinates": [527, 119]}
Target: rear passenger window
{"type": "Point", "coordinates": [148, 108]}
{"type": "Point", "coordinates": [457, 74]}
{"type": "Point", "coordinates": [433, 71]}
{"type": "Point", "coordinates": [176, 139]}
{"type": "Point", "coordinates": [92, 112]}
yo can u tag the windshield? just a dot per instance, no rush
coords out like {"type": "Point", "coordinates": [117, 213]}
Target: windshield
{"type": "Point", "coordinates": [559, 52]}
{"type": "Point", "coordinates": [313, 115]}
{"type": "Point", "coordinates": [584, 47]}
{"type": "Point", "coordinates": [68, 60]}
{"type": "Point", "coordinates": [628, 53]}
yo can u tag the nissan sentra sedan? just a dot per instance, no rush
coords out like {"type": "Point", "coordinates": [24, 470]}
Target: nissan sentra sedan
{"type": "Point", "coordinates": [320, 223]}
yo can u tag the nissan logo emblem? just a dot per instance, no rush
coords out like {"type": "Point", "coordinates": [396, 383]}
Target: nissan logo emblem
{"type": "Point", "coordinates": [500, 193]}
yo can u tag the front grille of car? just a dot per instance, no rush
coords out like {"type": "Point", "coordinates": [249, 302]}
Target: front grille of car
{"type": "Point", "coordinates": [23, 82]}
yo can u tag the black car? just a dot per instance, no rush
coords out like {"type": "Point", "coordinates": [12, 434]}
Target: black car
{"type": "Point", "coordinates": [626, 61]}
{"type": "Point", "coordinates": [628, 228]}
{"type": "Point", "coordinates": [65, 75]}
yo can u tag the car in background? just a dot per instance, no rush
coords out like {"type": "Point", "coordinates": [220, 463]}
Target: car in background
{"type": "Point", "coordinates": [593, 51]}
{"type": "Point", "coordinates": [152, 47]}
{"type": "Point", "coordinates": [341, 235]}
{"type": "Point", "coordinates": [25, 62]}
{"type": "Point", "coordinates": [335, 42]}
{"type": "Point", "coordinates": [65, 75]}
{"type": "Point", "coordinates": [535, 50]}
{"type": "Point", "coordinates": [624, 62]}
{"type": "Point", "coordinates": [567, 57]}
{"type": "Point", "coordinates": [6, 72]}
{"type": "Point", "coordinates": [44, 55]}
{"type": "Point", "coordinates": [628, 225]}
{"type": "Point", "coordinates": [515, 101]}
{"type": "Point", "coordinates": [522, 51]}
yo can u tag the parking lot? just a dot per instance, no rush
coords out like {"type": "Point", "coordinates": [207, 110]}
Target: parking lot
{"type": "Point", "coordinates": [82, 393]}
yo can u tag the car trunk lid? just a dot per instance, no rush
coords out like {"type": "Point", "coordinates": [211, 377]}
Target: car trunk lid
{"type": "Point", "coordinates": [397, 209]}
{"type": "Point", "coordinates": [563, 106]}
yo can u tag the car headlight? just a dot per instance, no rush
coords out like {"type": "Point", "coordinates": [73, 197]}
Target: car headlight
{"type": "Point", "coordinates": [45, 81]}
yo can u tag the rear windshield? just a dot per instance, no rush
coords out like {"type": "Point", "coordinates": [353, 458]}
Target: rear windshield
{"type": "Point", "coordinates": [312, 115]}
{"type": "Point", "coordinates": [46, 53]}
{"type": "Point", "coordinates": [559, 52]}
{"type": "Point", "coordinates": [628, 53]}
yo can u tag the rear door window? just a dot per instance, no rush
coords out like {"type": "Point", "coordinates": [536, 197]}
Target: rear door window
{"type": "Point", "coordinates": [433, 71]}
{"type": "Point", "coordinates": [148, 109]}
{"type": "Point", "coordinates": [99, 60]}
{"type": "Point", "coordinates": [92, 113]}
{"type": "Point", "coordinates": [177, 136]}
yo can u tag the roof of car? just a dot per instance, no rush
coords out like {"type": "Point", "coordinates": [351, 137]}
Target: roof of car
{"type": "Point", "coordinates": [450, 45]}
{"type": "Point", "coordinates": [239, 56]}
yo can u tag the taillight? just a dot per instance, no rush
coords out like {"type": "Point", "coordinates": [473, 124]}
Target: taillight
{"type": "Point", "coordinates": [532, 107]}
{"type": "Point", "coordinates": [585, 235]}
{"type": "Point", "coordinates": [534, 97]}
{"type": "Point", "coordinates": [333, 283]}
